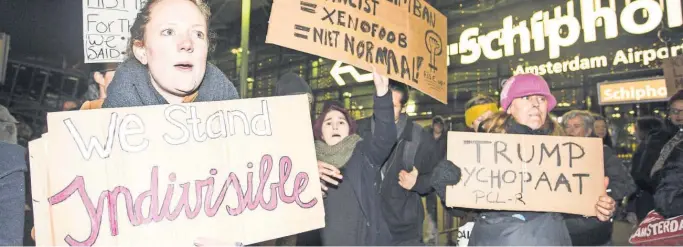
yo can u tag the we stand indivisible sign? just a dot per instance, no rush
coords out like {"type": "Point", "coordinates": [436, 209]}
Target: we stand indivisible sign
{"type": "Point", "coordinates": [106, 28]}
{"type": "Point", "coordinates": [526, 172]}
{"type": "Point", "coordinates": [232, 171]}
{"type": "Point", "coordinates": [404, 40]}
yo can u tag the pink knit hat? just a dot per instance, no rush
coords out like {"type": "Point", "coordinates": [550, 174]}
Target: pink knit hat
{"type": "Point", "coordinates": [526, 85]}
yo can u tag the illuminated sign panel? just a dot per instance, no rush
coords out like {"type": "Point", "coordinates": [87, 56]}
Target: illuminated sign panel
{"type": "Point", "coordinates": [564, 29]}
{"type": "Point", "coordinates": [632, 91]}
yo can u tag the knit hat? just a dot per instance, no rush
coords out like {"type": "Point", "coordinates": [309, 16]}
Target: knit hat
{"type": "Point", "coordinates": [329, 106]}
{"type": "Point", "coordinates": [526, 85]}
{"type": "Point", "coordinates": [291, 84]}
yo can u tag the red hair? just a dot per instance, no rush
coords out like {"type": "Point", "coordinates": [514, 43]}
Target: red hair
{"type": "Point", "coordinates": [332, 106]}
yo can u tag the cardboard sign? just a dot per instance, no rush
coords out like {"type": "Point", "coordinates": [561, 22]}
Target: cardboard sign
{"type": "Point", "coordinates": [106, 28]}
{"type": "Point", "coordinates": [526, 173]}
{"type": "Point", "coordinates": [231, 171]}
{"type": "Point", "coordinates": [404, 40]}
{"type": "Point", "coordinates": [632, 91]}
{"type": "Point", "coordinates": [673, 72]}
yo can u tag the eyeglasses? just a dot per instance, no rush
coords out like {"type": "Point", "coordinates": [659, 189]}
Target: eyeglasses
{"type": "Point", "coordinates": [674, 111]}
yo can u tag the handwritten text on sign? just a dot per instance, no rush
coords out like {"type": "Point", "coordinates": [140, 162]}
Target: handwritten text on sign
{"type": "Point", "coordinates": [524, 172]}
{"type": "Point", "coordinates": [106, 28]}
{"type": "Point", "coordinates": [673, 72]}
{"type": "Point", "coordinates": [405, 40]}
{"type": "Point", "coordinates": [236, 171]}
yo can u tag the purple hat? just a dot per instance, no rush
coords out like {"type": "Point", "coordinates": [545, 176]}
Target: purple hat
{"type": "Point", "coordinates": [525, 85]}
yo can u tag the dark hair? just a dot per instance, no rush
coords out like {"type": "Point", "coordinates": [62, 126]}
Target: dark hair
{"type": "Point", "coordinates": [328, 107]}
{"type": "Point", "coordinates": [438, 120]}
{"type": "Point", "coordinates": [646, 124]}
{"type": "Point", "coordinates": [479, 100]}
{"type": "Point", "coordinates": [401, 88]}
{"type": "Point", "coordinates": [675, 97]}
{"type": "Point", "coordinates": [607, 140]}
{"type": "Point", "coordinates": [137, 31]}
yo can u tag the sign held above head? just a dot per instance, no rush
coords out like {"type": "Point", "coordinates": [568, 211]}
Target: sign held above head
{"type": "Point", "coordinates": [405, 40]}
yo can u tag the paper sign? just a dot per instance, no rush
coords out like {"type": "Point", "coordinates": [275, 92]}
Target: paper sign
{"type": "Point", "coordinates": [526, 173]}
{"type": "Point", "coordinates": [673, 72]}
{"type": "Point", "coordinates": [106, 28]}
{"type": "Point", "coordinates": [404, 40]}
{"type": "Point", "coordinates": [231, 171]}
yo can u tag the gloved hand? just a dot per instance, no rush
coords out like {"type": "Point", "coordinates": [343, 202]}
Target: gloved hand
{"type": "Point", "coordinates": [445, 173]}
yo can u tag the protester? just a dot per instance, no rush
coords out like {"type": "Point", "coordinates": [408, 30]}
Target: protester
{"type": "Point", "coordinates": [643, 201]}
{"type": "Point", "coordinates": [12, 182]}
{"type": "Point", "coordinates": [601, 130]}
{"type": "Point", "coordinates": [526, 101]}
{"type": "Point", "coordinates": [590, 231]}
{"type": "Point", "coordinates": [95, 98]}
{"type": "Point", "coordinates": [479, 109]}
{"type": "Point", "coordinates": [439, 132]}
{"type": "Point", "coordinates": [169, 59]}
{"type": "Point", "coordinates": [652, 148]}
{"type": "Point", "coordinates": [349, 166]}
{"type": "Point", "coordinates": [405, 173]}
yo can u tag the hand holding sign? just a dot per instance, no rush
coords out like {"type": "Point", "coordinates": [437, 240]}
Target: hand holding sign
{"type": "Point", "coordinates": [605, 206]}
{"type": "Point", "coordinates": [328, 173]}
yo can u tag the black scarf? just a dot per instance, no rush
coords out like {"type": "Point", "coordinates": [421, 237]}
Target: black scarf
{"type": "Point", "coordinates": [512, 127]}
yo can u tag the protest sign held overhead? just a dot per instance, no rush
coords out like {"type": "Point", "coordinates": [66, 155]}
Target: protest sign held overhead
{"type": "Point", "coordinates": [673, 72]}
{"type": "Point", "coordinates": [405, 40]}
{"type": "Point", "coordinates": [231, 171]}
{"type": "Point", "coordinates": [526, 173]}
{"type": "Point", "coordinates": [106, 28]}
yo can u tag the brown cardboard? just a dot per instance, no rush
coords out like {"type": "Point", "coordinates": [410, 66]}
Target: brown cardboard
{"type": "Point", "coordinates": [673, 72]}
{"type": "Point", "coordinates": [420, 45]}
{"type": "Point", "coordinates": [480, 187]}
{"type": "Point", "coordinates": [144, 150]}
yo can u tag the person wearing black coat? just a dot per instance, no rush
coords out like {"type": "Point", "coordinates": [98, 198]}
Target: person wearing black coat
{"type": "Point", "coordinates": [405, 173]}
{"type": "Point", "coordinates": [349, 166]}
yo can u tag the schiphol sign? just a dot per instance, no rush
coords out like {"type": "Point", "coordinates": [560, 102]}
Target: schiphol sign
{"type": "Point", "coordinates": [543, 33]}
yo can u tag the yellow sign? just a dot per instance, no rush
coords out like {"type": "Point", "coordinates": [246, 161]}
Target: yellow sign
{"type": "Point", "coordinates": [636, 91]}
{"type": "Point", "coordinates": [404, 41]}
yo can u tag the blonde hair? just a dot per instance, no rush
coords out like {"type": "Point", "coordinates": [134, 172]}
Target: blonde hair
{"type": "Point", "coordinates": [498, 122]}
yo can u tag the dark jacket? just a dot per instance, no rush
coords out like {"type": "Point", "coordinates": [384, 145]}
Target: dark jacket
{"type": "Point", "coordinates": [440, 144]}
{"type": "Point", "coordinates": [132, 86]}
{"type": "Point", "coordinates": [644, 159]}
{"type": "Point", "coordinates": [505, 228]}
{"type": "Point", "coordinates": [668, 181]}
{"type": "Point", "coordinates": [403, 209]}
{"type": "Point", "coordinates": [353, 213]}
{"type": "Point", "coordinates": [591, 231]}
{"type": "Point", "coordinates": [12, 193]}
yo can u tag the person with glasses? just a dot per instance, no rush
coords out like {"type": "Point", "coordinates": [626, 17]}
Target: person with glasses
{"type": "Point", "coordinates": [652, 148]}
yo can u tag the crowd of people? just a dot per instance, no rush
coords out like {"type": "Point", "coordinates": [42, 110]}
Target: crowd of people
{"type": "Point", "coordinates": [375, 171]}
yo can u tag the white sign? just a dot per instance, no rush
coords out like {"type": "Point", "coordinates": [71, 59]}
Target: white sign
{"type": "Point", "coordinates": [106, 28]}
{"type": "Point", "coordinates": [472, 45]}
{"type": "Point", "coordinates": [464, 233]}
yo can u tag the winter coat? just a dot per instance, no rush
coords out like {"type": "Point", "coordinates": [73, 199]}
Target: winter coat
{"type": "Point", "coordinates": [353, 213]}
{"type": "Point", "coordinates": [668, 181]}
{"type": "Point", "coordinates": [505, 228]}
{"type": "Point", "coordinates": [591, 231]}
{"type": "Point", "coordinates": [12, 193]}
{"type": "Point", "coordinates": [132, 86]}
{"type": "Point", "coordinates": [402, 208]}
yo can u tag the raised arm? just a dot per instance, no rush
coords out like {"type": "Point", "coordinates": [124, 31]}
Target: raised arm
{"type": "Point", "coordinates": [384, 136]}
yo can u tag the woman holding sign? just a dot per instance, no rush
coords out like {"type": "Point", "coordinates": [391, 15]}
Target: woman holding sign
{"type": "Point", "coordinates": [349, 167]}
{"type": "Point", "coordinates": [169, 59]}
{"type": "Point", "coordinates": [526, 101]}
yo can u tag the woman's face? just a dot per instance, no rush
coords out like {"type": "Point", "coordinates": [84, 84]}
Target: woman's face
{"type": "Point", "coordinates": [335, 127]}
{"type": "Point", "coordinates": [175, 47]}
{"type": "Point", "coordinates": [600, 128]}
{"type": "Point", "coordinates": [530, 111]}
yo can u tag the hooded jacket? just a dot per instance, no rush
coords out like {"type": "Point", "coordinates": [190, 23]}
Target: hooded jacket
{"type": "Point", "coordinates": [12, 193]}
{"type": "Point", "coordinates": [403, 208]}
{"type": "Point", "coordinates": [132, 86]}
